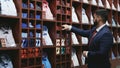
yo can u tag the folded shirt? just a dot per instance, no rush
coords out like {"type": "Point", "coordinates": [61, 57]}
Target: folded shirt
{"type": "Point", "coordinates": [6, 61]}
{"type": "Point", "coordinates": [100, 3]}
{"type": "Point", "coordinates": [84, 40]}
{"type": "Point", "coordinates": [94, 2]}
{"type": "Point", "coordinates": [107, 4]}
{"type": "Point", "coordinates": [84, 17]}
{"type": "Point", "coordinates": [8, 8]}
{"type": "Point", "coordinates": [46, 9]}
{"type": "Point", "coordinates": [74, 58]}
{"type": "Point", "coordinates": [45, 61]}
{"type": "Point", "coordinates": [74, 16]}
{"type": "Point", "coordinates": [74, 39]}
{"type": "Point", "coordinates": [46, 36]}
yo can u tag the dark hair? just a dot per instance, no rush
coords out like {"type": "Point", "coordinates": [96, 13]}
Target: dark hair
{"type": "Point", "coordinates": [103, 13]}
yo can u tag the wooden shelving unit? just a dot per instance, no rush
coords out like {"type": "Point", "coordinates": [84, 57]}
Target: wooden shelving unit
{"type": "Point", "coordinates": [32, 16]}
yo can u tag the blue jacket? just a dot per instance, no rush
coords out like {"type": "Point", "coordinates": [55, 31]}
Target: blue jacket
{"type": "Point", "coordinates": [98, 55]}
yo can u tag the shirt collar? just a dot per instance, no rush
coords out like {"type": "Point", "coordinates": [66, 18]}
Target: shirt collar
{"type": "Point", "coordinates": [99, 28]}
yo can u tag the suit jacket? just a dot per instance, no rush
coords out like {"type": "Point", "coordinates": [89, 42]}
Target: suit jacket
{"type": "Point", "coordinates": [98, 50]}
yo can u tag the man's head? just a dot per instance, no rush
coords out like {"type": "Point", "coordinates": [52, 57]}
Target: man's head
{"type": "Point", "coordinates": [100, 15]}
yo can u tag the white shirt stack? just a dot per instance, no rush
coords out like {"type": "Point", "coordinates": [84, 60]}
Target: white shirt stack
{"type": "Point", "coordinates": [94, 2]}
{"type": "Point", "coordinates": [100, 3]}
{"type": "Point", "coordinates": [84, 40]}
{"type": "Point", "coordinates": [84, 17]}
{"type": "Point", "coordinates": [92, 20]}
{"type": "Point", "coordinates": [74, 16]}
{"type": "Point", "coordinates": [85, 1]}
{"type": "Point", "coordinates": [46, 36]}
{"type": "Point", "coordinates": [107, 4]}
{"type": "Point", "coordinates": [8, 8]}
{"type": "Point", "coordinates": [74, 58]}
{"type": "Point", "coordinates": [118, 7]}
{"type": "Point", "coordinates": [74, 39]}
{"type": "Point", "coordinates": [113, 6]}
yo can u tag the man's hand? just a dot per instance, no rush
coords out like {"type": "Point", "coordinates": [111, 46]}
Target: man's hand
{"type": "Point", "coordinates": [66, 27]}
{"type": "Point", "coordinates": [85, 53]}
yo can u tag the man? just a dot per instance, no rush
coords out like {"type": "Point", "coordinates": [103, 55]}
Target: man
{"type": "Point", "coordinates": [100, 40]}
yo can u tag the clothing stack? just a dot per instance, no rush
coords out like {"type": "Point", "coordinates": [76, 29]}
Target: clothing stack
{"type": "Point", "coordinates": [85, 1]}
{"type": "Point", "coordinates": [113, 6]}
{"type": "Point", "coordinates": [7, 35]}
{"type": "Point", "coordinates": [84, 40]}
{"type": "Point", "coordinates": [45, 61]}
{"type": "Point", "coordinates": [74, 39]}
{"type": "Point", "coordinates": [47, 12]}
{"type": "Point", "coordinates": [94, 2]}
{"type": "Point", "coordinates": [7, 7]}
{"type": "Point", "coordinates": [74, 58]}
{"type": "Point", "coordinates": [107, 4]}
{"type": "Point", "coordinates": [100, 3]}
{"type": "Point", "coordinates": [74, 16]}
{"type": "Point", "coordinates": [5, 61]}
{"type": "Point", "coordinates": [114, 22]}
{"type": "Point", "coordinates": [46, 37]}
{"type": "Point", "coordinates": [84, 17]}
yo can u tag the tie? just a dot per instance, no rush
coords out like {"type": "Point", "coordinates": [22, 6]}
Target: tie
{"type": "Point", "coordinates": [93, 35]}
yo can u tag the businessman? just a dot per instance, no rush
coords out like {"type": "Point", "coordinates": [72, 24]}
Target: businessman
{"type": "Point", "coordinates": [100, 40]}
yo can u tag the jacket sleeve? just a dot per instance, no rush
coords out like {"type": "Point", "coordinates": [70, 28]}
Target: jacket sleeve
{"type": "Point", "coordinates": [81, 32]}
{"type": "Point", "coordinates": [105, 44]}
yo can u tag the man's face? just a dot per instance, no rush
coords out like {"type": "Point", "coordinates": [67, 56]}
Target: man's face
{"type": "Point", "coordinates": [97, 19]}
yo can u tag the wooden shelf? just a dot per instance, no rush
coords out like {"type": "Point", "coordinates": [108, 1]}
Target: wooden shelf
{"type": "Point", "coordinates": [34, 20]}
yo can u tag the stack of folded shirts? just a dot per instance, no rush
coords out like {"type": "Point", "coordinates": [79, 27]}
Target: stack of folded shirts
{"type": "Point", "coordinates": [83, 59]}
{"type": "Point", "coordinates": [118, 7]}
{"type": "Point", "coordinates": [46, 9]}
{"type": "Point", "coordinates": [118, 39]}
{"type": "Point", "coordinates": [7, 7]}
{"type": "Point", "coordinates": [84, 17]}
{"type": "Point", "coordinates": [118, 25]}
{"type": "Point", "coordinates": [113, 23]}
{"type": "Point", "coordinates": [114, 41]}
{"type": "Point", "coordinates": [45, 61]}
{"type": "Point", "coordinates": [74, 16]}
{"type": "Point", "coordinates": [38, 26]}
{"type": "Point", "coordinates": [84, 40]}
{"type": "Point", "coordinates": [100, 3]}
{"type": "Point", "coordinates": [92, 20]}
{"type": "Point", "coordinates": [74, 39]}
{"type": "Point", "coordinates": [24, 15]}
{"type": "Point", "coordinates": [85, 1]}
{"type": "Point", "coordinates": [31, 6]}
{"type": "Point", "coordinates": [74, 58]}
{"type": "Point", "coordinates": [46, 36]}
{"type": "Point", "coordinates": [24, 25]}
{"type": "Point", "coordinates": [94, 2]}
{"type": "Point", "coordinates": [113, 6]}
{"type": "Point", "coordinates": [76, 0]}
{"type": "Point", "coordinates": [24, 35]}
{"type": "Point", "coordinates": [107, 4]}
{"type": "Point", "coordinates": [24, 5]}
{"type": "Point", "coordinates": [113, 56]}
